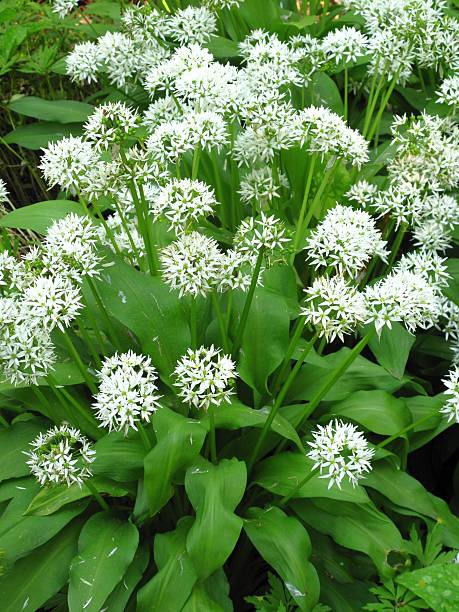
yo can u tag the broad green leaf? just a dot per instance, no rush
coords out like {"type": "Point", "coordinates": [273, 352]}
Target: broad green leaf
{"type": "Point", "coordinates": [214, 492]}
{"type": "Point", "coordinates": [452, 291]}
{"type": "Point", "coordinates": [149, 309]}
{"type": "Point", "coordinates": [378, 411]}
{"type": "Point", "coordinates": [171, 586]}
{"type": "Point", "coordinates": [40, 575]}
{"type": "Point", "coordinates": [237, 416]}
{"type": "Point", "coordinates": [120, 596]}
{"type": "Point", "coordinates": [345, 597]}
{"type": "Point", "coordinates": [260, 13]}
{"type": "Point", "coordinates": [51, 499]}
{"type": "Point", "coordinates": [61, 111]}
{"type": "Point", "coordinates": [420, 407]}
{"type": "Point", "coordinates": [392, 348]}
{"type": "Point", "coordinates": [119, 457]}
{"type": "Point", "coordinates": [106, 548]}
{"type": "Point", "coordinates": [104, 8]}
{"type": "Point", "coordinates": [179, 442]}
{"type": "Point", "coordinates": [284, 544]}
{"type": "Point", "coordinates": [14, 441]}
{"type": "Point", "coordinates": [38, 217]}
{"type": "Point", "coordinates": [358, 527]}
{"type": "Point", "coordinates": [326, 93]}
{"type": "Point", "coordinates": [212, 595]}
{"type": "Point", "coordinates": [405, 491]}
{"type": "Point", "coordinates": [266, 337]}
{"type": "Point", "coordinates": [417, 99]}
{"type": "Point", "coordinates": [222, 47]}
{"type": "Point", "coordinates": [38, 135]}
{"type": "Point", "coordinates": [282, 473]}
{"type": "Point", "coordinates": [437, 585]}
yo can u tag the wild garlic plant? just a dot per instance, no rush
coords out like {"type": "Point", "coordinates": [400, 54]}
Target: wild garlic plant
{"type": "Point", "coordinates": [217, 334]}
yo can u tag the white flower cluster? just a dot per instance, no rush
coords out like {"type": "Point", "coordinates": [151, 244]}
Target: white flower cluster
{"type": "Point", "coordinates": [128, 392]}
{"type": "Point", "coordinates": [451, 407]}
{"type": "Point", "coordinates": [204, 377]}
{"type": "Point", "coordinates": [64, 7]}
{"type": "Point", "coordinates": [62, 455]}
{"type": "Point", "coordinates": [264, 234]}
{"type": "Point", "coordinates": [340, 451]}
{"type": "Point", "coordinates": [110, 124]}
{"type": "Point", "coordinates": [3, 192]}
{"type": "Point", "coordinates": [448, 92]}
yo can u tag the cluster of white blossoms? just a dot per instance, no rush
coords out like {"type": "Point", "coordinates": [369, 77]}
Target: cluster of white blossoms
{"type": "Point", "coordinates": [264, 235]}
{"type": "Point", "coordinates": [345, 240]}
{"type": "Point", "coordinates": [63, 7]}
{"type": "Point", "coordinates": [341, 452]}
{"type": "Point", "coordinates": [205, 377]}
{"type": "Point", "coordinates": [128, 392]}
{"type": "Point", "coordinates": [3, 192]}
{"type": "Point", "coordinates": [110, 124]}
{"type": "Point", "coordinates": [451, 406]}
{"type": "Point", "coordinates": [62, 455]}
{"type": "Point", "coordinates": [448, 92]}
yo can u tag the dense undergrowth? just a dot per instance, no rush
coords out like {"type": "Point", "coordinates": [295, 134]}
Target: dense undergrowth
{"type": "Point", "coordinates": [229, 306]}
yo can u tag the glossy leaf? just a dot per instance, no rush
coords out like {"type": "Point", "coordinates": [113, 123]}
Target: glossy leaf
{"type": "Point", "coordinates": [119, 457]}
{"type": "Point", "coordinates": [284, 544]}
{"type": "Point", "coordinates": [38, 217]}
{"type": "Point", "coordinates": [14, 440]}
{"type": "Point", "coordinates": [37, 135]}
{"type": "Point", "coordinates": [120, 596]}
{"type": "Point", "coordinates": [392, 348]}
{"type": "Point", "coordinates": [106, 548]}
{"type": "Point", "coordinates": [437, 585]}
{"type": "Point", "coordinates": [214, 492]}
{"type": "Point", "coordinates": [62, 111]}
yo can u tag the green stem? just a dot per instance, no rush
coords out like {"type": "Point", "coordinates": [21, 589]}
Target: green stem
{"type": "Point", "coordinates": [325, 181]}
{"type": "Point", "coordinates": [61, 392]}
{"type": "Point", "coordinates": [372, 99]}
{"type": "Point", "coordinates": [247, 304]}
{"type": "Point", "coordinates": [382, 106]}
{"type": "Point", "coordinates": [90, 344]}
{"type": "Point", "coordinates": [346, 93]}
{"type": "Point", "coordinates": [278, 403]}
{"type": "Point", "coordinates": [81, 366]}
{"type": "Point", "coordinates": [213, 437]}
{"type": "Point", "coordinates": [221, 321]}
{"type": "Point", "coordinates": [307, 189]}
{"type": "Point", "coordinates": [194, 323]}
{"type": "Point", "coordinates": [144, 437]}
{"type": "Point", "coordinates": [195, 163]}
{"type": "Point", "coordinates": [298, 330]}
{"type": "Point", "coordinates": [403, 431]}
{"type": "Point", "coordinates": [294, 491]}
{"type": "Point", "coordinates": [396, 245]}
{"type": "Point", "coordinates": [97, 496]}
{"type": "Point", "coordinates": [111, 330]}
{"type": "Point", "coordinates": [128, 233]}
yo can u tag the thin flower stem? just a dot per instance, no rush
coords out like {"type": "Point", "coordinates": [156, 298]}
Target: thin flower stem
{"type": "Point", "coordinates": [44, 400]}
{"type": "Point", "coordinates": [194, 323]}
{"type": "Point", "coordinates": [128, 233]}
{"type": "Point", "coordinates": [212, 435]}
{"type": "Point", "coordinates": [95, 327]}
{"type": "Point", "coordinates": [396, 246]}
{"type": "Point", "coordinates": [278, 403]}
{"type": "Point", "coordinates": [319, 193]}
{"type": "Point", "coordinates": [346, 93]}
{"type": "Point", "coordinates": [333, 378]}
{"type": "Point", "coordinates": [195, 163]}
{"type": "Point", "coordinates": [144, 437]}
{"type": "Point", "coordinates": [247, 304]}
{"type": "Point", "coordinates": [221, 321]}
{"type": "Point", "coordinates": [383, 105]}
{"type": "Point", "coordinates": [81, 366]}
{"type": "Point", "coordinates": [90, 344]}
{"type": "Point", "coordinates": [294, 491]}
{"type": "Point", "coordinates": [298, 330]}
{"type": "Point", "coordinates": [148, 227]}
{"type": "Point", "coordinates": [307, 189]}
{"type": "Point", "coordinates": [403, 431]}
{"type": "Point", "coordinates": [372, 99]}
{"type": "Point", "coordinates": [97, 496]}
{"type": "Point", "coordinates": [111, 330]}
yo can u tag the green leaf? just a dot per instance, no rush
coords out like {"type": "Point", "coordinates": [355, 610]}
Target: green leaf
{"type": "Point", "coordinates": [265, 339]}
{"type": "Point", "coordinates": [147, 307]}
{"type": "Point", "coordinates": [378, 411]}
{"type": "Point", "coordinates": [51, 499]}
{"type": "Point", "coordinates": [437, 585]}
{"type": "Point", "coordinates": [326, 93]}
{"type": "Point", "coordinates": [38, 217]}
{"type": "Point", "coordinates": [119, 457]}
{"type": "Point", "coordinates": [358, 527]}
{"type": "Point", "coordinates": [392, 348]}
{"type": "Point", "coordinates": [281, 473]}
{"type": "Point", "coordinates": [60, 111]}
{"type": "Point", "coordinates": [38, 135]}
{"type": "Point", "coordinates": [103, 8]}
{"type": "Point", "coordinates": [14, 441]}
{"type": "Point", "coordinates": [206, 595]}
{"type": "Point", "coordinates": [260, 13]}
{"type": "Point", "coordinates": [171, 586]}
{"type": "Point", "coordinates": [214, 492]}
{"type": "Point", "coordinates": [36, 578]}
{"type": "Point", "coordinates": [106, 548]}
{"type": "Point", "coordinates": [237, 416]}
{"type": "Point", "coordinates": [120, 596]}
{"type": "Point", "coordinates": [452, 291]}
{"type": "Point", "coordinates": [223, 47]}
{"type": "Point", "coordinates": [179, 442]}
{"type": "Point", "coordinates": [284, 544]}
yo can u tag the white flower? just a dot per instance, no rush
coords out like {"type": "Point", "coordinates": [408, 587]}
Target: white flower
{"type": "Point", "coordinates": [432, 235]}
{"type": "Point", "coordinates": [160, 111]}
{"type": "Point", "coordinates": [334, 307]}
{"type": "Point", "coordinates": [125, 235]}
{"type": "Point", "coordinates": [222, 4]}
{"type": "Point", "coordinates": [451, 407]}
{"type": "Point", "coordinates": [3, 192]}
{"type": "Point", "coordinates": [63, 7]}
{"type": "Point", "coordinates": [234, 272]}
{"type": "Point", "coordinates": [324, 132]}
{"type": "Point", "coordinates": [208, 128]}
{"type": "Point", "coordinates": [111, 123]}
{"type": "Point", "coordinates": [191, 264]}
{"type": "Point", "coordinates": [341, 451]}
{"type": "Point", "coordinates": [69, 248]}
{"type": "Point", "coordinates": [120, 56]}
{"type": "Point", "coordinates": [265, 234]}
{"type": "Point", "coordinates": [425, 262]}
{"type": "Point", "coordinates": [184, 203]}
{"type": "Point", "coordinates": [191, 25]}
{"type": "Point", "coordinates": [62, 455]}
{"type": "Point", "coordinates": [54, 300]}
{"type": "Point", "coordinates": [169, 141]}
{"type": "Point", "coordinates": [448, 92]}
{"type": "Point", "coordinates": [260, 185]}
{"type": "Point", "coordinates": [346, 239]}
{"type": "Point", "coordinates": [128, 392]}
{"type": "Point", "coordinates": [363, 193]}
{"type": "Point", "coordinates": [84, 62]}
{"type": "Point", "coordinates": [66, 162]}
{"type": "Point", "coordinates": [13, 276]}
{"type": "Point", "coordinates": [344, 45]}
{"type": "Point", "coordinates": [404, 296]}
{"type": "Point", "coordinates": [203, 377]}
